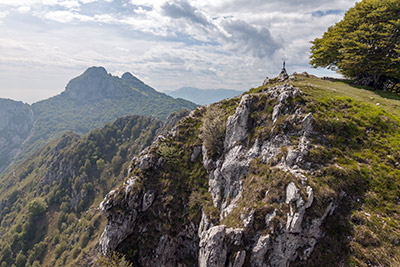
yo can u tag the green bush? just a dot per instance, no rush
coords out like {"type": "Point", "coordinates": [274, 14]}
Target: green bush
{"type": "Point", "coordinates": [212, 131]}
{"type": "Point", "coordinates": [20, 260]}
{"type": "Point", "coordinates": [37, 207]}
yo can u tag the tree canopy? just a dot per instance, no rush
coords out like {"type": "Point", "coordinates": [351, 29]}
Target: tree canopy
{"type": "Point", "coordinates": [365, 45]}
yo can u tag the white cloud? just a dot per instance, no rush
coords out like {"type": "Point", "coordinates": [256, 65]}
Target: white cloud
{"type": "Point", "coordinates": [168, 44]}
{"type": "Point", "coordinates": [66, 16]}
{"type": "Point", "coordinates": [74, 5]}
{"type": "Point", "coordinates": [24, 9]}
{"type": "Point", "coordinates": [3, 15]}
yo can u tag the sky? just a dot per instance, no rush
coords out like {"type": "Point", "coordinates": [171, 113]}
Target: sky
{"type": "Point", "coordinates": [231, 44]}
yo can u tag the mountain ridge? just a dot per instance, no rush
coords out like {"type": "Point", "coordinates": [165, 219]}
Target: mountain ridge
{"type": "Point", "coordinates": [295, 172]}
{"type": "Point", "coordinates": [91, 100]}
{"type": "Point", "coordinates": [301, 171]}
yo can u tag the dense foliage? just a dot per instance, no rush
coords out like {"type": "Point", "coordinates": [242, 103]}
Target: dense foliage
{"type": "Point", "coordinates": [48, 205]}
{"type": "Point", "coordinates": [365, 45]}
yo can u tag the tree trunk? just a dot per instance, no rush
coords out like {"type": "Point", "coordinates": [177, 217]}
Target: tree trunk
{"type": "Point", "coordinates": [376, 80]}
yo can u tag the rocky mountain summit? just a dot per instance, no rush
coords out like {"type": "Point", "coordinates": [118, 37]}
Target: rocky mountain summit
{"type": "Point", "coordinates": [269, 178]}
{"type": "Point", "coordinates": [211, 240]}
{"type": "Point", "coordinates": [250, 181]}
{"type": "Point", "coordinates": [96, 84]}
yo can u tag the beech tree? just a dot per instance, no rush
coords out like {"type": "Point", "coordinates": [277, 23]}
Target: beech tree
{"type": "Point", "coordinates": [365, 45]}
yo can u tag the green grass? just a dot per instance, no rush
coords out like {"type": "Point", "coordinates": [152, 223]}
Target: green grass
{"type": "Point", "coordinates": [318, 89]}
{"type": "Point", "coordinates": [355, 150]}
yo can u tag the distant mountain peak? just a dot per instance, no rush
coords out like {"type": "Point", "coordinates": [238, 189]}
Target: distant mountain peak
{"type": "Point", "coordinates": [128, 76]}
{"type": "Point", "coordinates": [91, 84]}
{"type": "Point", "coordinates": [95, 71]}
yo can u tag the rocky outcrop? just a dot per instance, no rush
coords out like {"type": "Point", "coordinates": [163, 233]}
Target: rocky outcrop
{"type": "Point", "coordinates": [289, 231]}
{"type": "Point", "coordinates": [16, 122]}
{"type": "Point", "coordinates": [120, 224]}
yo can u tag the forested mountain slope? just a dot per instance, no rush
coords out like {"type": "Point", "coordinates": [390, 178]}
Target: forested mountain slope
{"type": "Point", "coordinates": [94, 99]}
{"type": "Point", "coordinates": [49, 205]}
{"type": "Point", "coordinates": [89, 101]}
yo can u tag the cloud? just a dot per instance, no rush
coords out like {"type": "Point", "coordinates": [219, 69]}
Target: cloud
{"type": "Point", "coordinates": [66, 16]}
{"type": "Point", "coordinates": [24, 9]}
{"type": "Point", "coordinates": [70, 4]}
{"type": "Point", "coordinates": [184, 10]}
{"type": "Point", "coordinates": [257, 40]}
{"type": "Point", "coordinates": [168, 44]}
{"type": "Point", "coordinates": [3, 15]}
{"type": "Point", "coordinates": [320, 13]}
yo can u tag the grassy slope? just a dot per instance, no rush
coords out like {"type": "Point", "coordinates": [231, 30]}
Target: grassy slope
{"type": "Point", "coordinates": [318, 89]}
{"type": "Point", "coordinates": [355, 154]}
{"type": "Point", "coordinates": [362, 138]}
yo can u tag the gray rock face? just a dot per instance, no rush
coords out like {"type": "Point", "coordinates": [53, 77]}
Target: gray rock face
{"type": "Point", "coordinates": [236, 126]}
{"type": "Point", "coordinates": [226, 176]}
{"type": "Point", "coordinates": [91, 85]}
{"type": "Point", "coordinates": [216, 242]}
{"type": "Point", "coordinates": [291, 231]}
{"type": "Point", "coordinates": [213, 247]}
{"type": "Point", "coordinates": [16, 122]}
{"type": "Point", "coordinates": [120, 224]}
{"type": "Point", "coordinates": [259, 250]}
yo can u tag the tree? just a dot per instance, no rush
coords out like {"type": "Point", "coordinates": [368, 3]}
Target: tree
{"type": "Point", "coordinates": [20, 260]}
{"type": "Point", "coordinates": [365, 45]}
{"type": "Point", "coordinates": [37, 206]}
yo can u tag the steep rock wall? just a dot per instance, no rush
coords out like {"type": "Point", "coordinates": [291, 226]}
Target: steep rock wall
{"type": "Point", "coordinates": [235, 232]}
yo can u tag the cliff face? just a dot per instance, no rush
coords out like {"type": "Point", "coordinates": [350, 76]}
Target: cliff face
{"type": "Point", "coordinates": [16, 121]}
{"type": "Point", "coordinates": [251, 203]}
{"type": "Point", "coordinates": [286, 174]}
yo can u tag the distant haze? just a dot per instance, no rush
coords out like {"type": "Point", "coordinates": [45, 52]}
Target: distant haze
{"type": "Point", "coordinates": [167, 44]}
{"type": "Point", "coordinates": [203, 96]}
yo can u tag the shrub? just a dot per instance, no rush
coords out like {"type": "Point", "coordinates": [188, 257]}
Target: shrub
{"type": "Point", "coordinates": [115, 260]}
{"type": "Point", "coordinates": [212, 131]}
{"type": "Point", "coordinates": [37, 206]}
{"type": "Point", "coordinates": [84, 240]}
{"type": "Point", "coordinates": [20, 260]}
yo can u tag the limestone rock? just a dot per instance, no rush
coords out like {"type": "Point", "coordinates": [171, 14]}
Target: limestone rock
{"type": "Point", "coordinates": [212, 247]}
{"type": "Point", "coordinates": [283, 75]}
{"type": "Point", "coordinates": [196, 153]}
{"type": "Point", "coordinates": [209, 240]}
{"type": "Point", "coordinates": [148, 199]}
{"type": "Point", "coordinates": [266, 81]}
{"type": "Point", "coordinates": [239, 259]}
{"type": "Point", "coordinates": [236, 126]}
{"type": "Point", "coordinates": [307, 124]}
{"type": "Point", "coordinates": [259, 251]}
